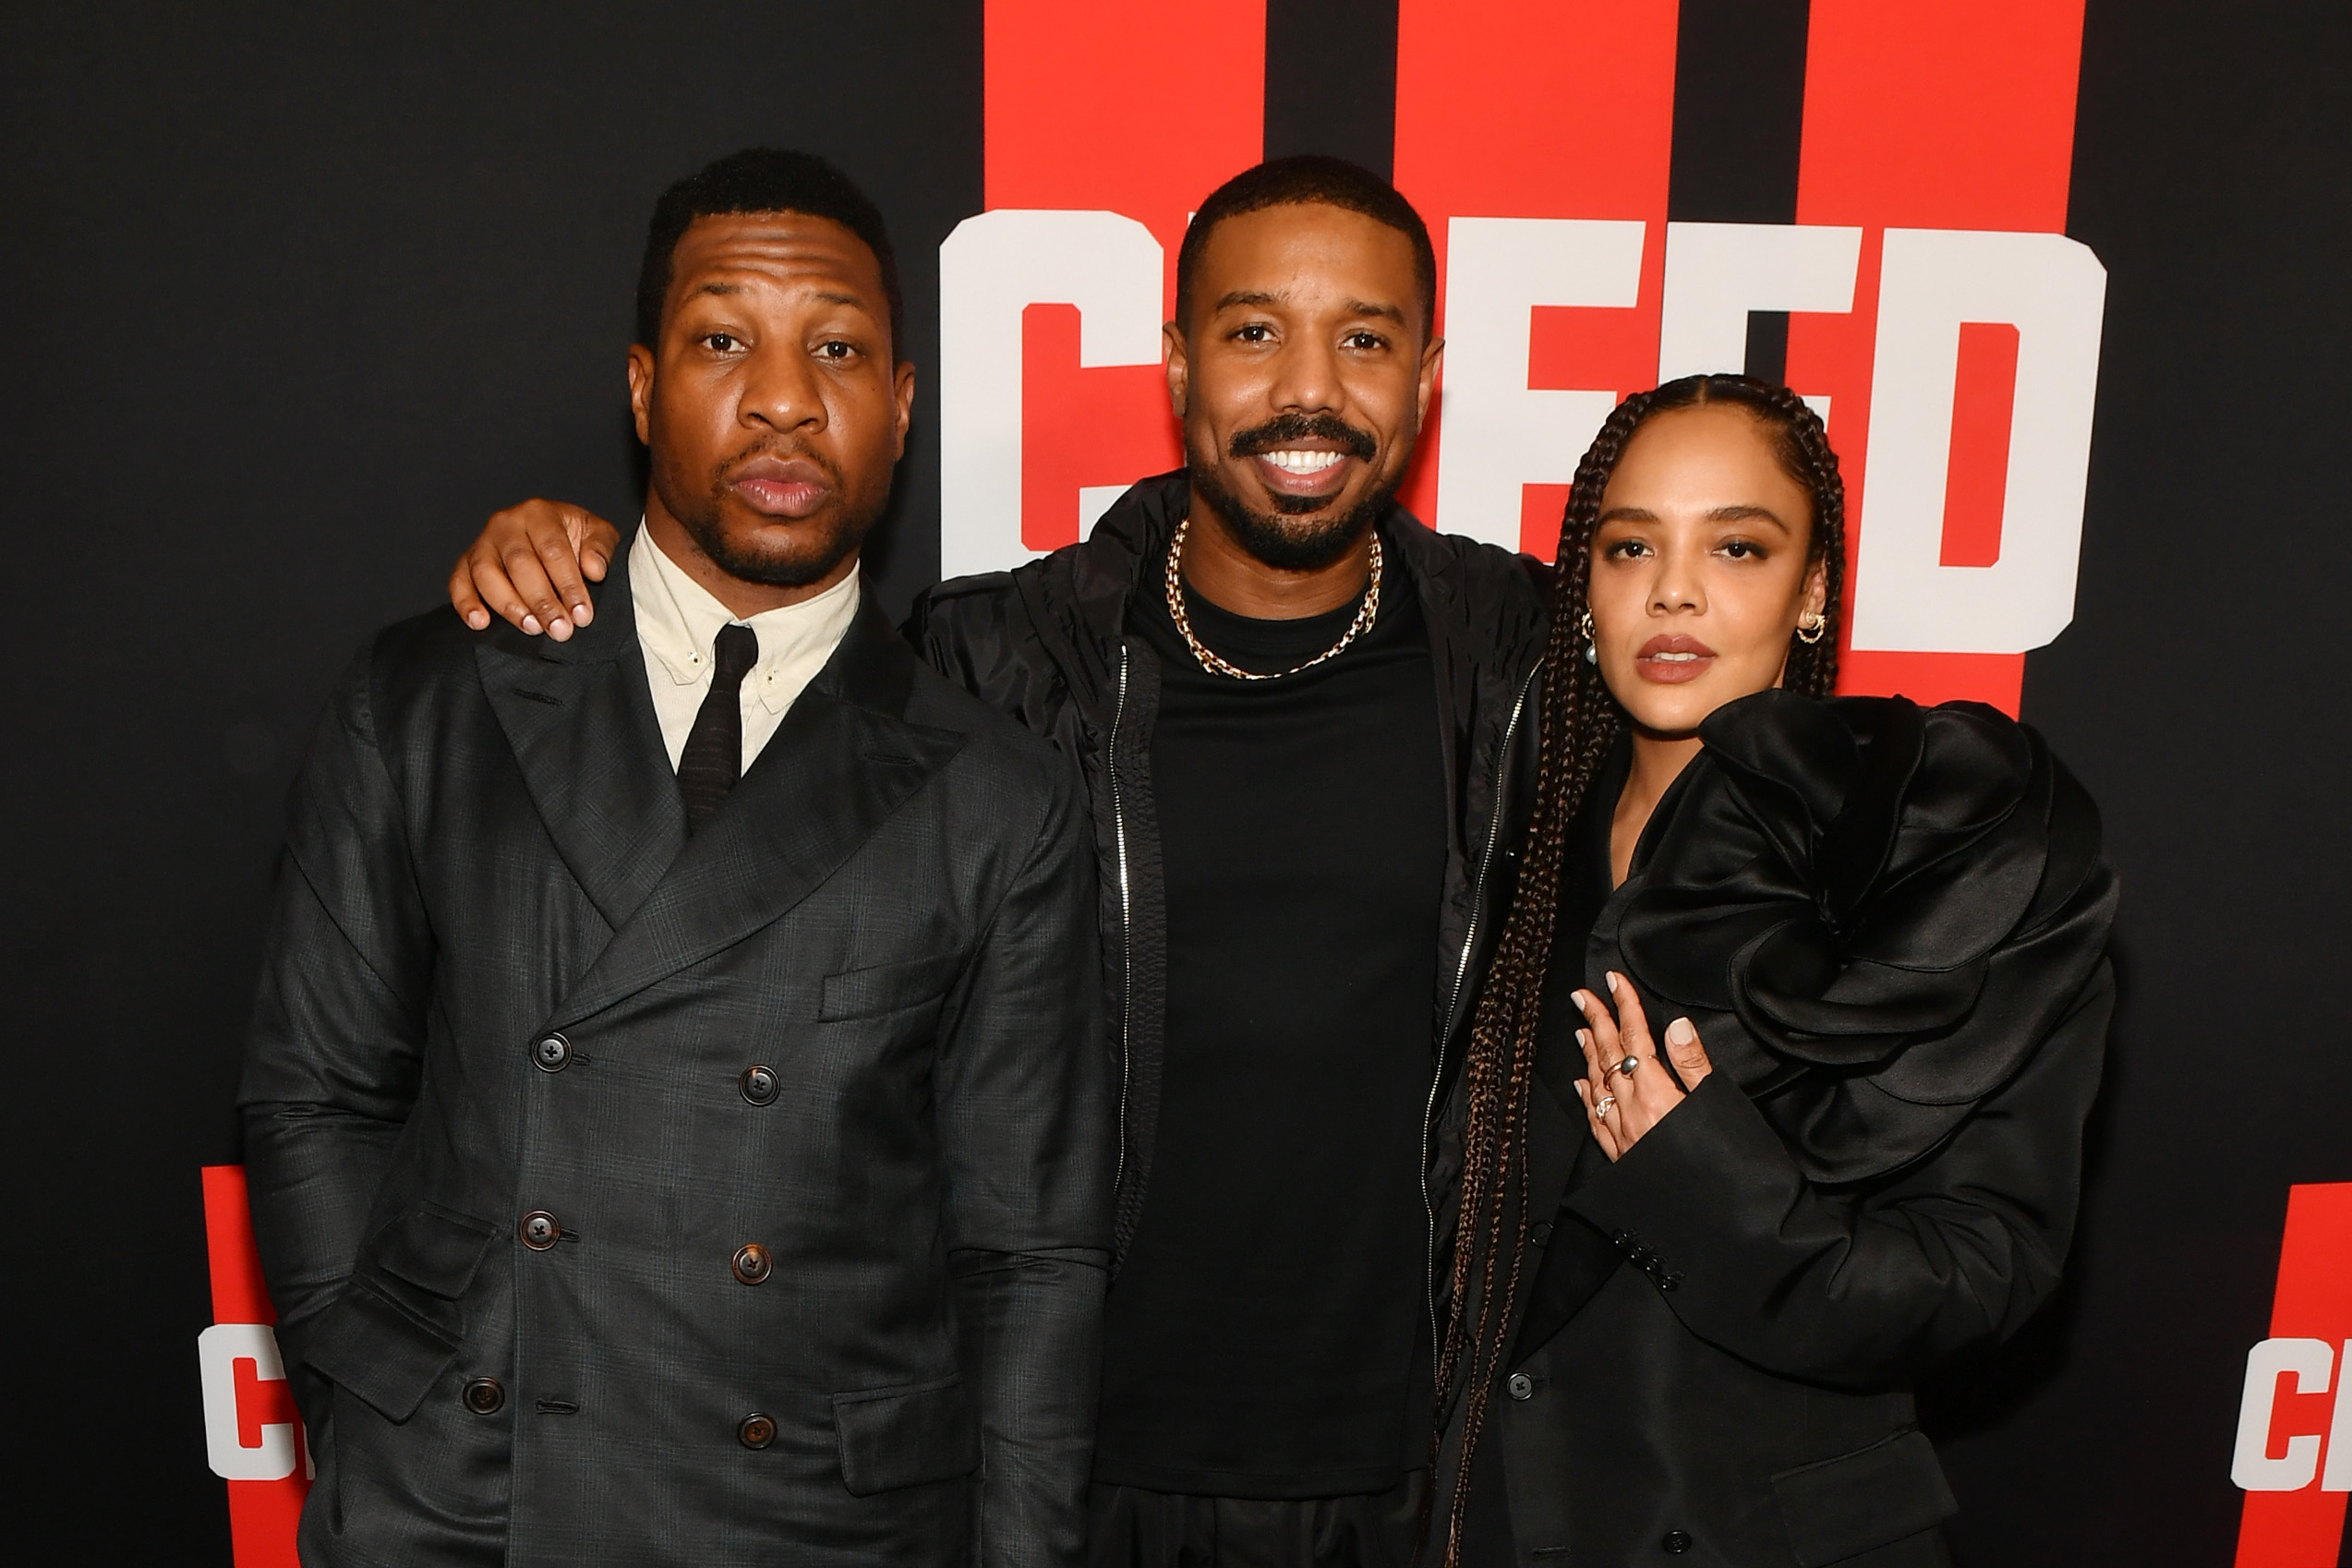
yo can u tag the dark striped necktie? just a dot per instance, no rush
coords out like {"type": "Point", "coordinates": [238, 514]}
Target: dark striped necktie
{"type": "Point", "coordinates": [713, 759]}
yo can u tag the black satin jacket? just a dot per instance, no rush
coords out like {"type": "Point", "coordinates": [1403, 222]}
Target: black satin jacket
{"type": "Point", "coordinates": [1889, 925]}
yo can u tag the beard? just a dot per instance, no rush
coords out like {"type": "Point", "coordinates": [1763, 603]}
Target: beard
{"type": "Point", "coordinates": [811, 551]}
{"type": "Point", "coordinates": [1283, 539]}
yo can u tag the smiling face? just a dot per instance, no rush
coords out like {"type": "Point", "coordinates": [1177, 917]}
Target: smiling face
{"type": "Point", "coordinates": [1301, 378]}
{"type": "Point", "coordinates": [774, 410]}
{"type": "Point", "coordinates": [1701, 565]}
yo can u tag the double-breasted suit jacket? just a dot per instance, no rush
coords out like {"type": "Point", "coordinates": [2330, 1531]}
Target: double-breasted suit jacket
{"type": "Point", "coordinates": [631, 1198]}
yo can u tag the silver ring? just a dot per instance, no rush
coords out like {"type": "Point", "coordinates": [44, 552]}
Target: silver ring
{"type": "Point", "coordinates": [1628, 1065]}
{"type": "Point", "coordinates": [1603, 1106]}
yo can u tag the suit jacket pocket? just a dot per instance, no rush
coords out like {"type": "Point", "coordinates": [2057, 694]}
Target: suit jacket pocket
{"type": "Point", "coordinates": [377, 1349]}
{"type": "Point", "coordinates": [903, 1437]}
{"type": "Point", "coordinates": [1838, 1508]}
{"type": "Point", "coordinates": [884, 988]}
{"type": "Point", "coordinates": [434, 1249]}
{"type": "Point", "coordinates": [397, 1325]}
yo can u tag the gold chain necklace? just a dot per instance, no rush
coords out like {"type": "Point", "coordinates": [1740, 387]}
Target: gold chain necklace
{"type": "Point", "coordinates": [1366, 614]}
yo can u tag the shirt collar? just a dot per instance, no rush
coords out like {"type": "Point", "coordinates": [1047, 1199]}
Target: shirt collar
{"type": "Point", "coordinates": [678, 621]}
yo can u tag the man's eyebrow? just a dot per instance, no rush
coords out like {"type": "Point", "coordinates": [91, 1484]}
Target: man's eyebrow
{"type": "Point", "coordinates": [828, 297]}
{"type": "Point", "coordinates": [1265, 296]}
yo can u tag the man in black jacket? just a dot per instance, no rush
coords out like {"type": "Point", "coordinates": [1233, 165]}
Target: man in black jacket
{"type": "Point", "coordinates": [1295, 710]}
{"type": "Point", "coordinates": [676, 1110]}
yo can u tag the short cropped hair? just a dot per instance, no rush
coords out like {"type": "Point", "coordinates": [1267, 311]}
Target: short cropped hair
{"type": "Point", "coordinates": [1299, 181]}
{"type": "Point", "coordinates": [760, 179]}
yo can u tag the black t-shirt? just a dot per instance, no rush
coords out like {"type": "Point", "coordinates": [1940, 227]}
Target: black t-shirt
{"type": "Point", "coordinates": [1264, 1338]}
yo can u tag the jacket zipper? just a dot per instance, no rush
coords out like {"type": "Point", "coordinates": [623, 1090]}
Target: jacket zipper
{"type": "Point", "coordinates": [1127, 918]}
{"type": "Point", "coordinates": [1454, 1004]}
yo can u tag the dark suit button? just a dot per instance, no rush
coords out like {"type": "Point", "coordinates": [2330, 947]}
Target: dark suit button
{"type": "Point", "coordinates": [756, 1431]}
{"type": "Point", "coordinates": [1521, 1386]}
{"type": "Point", "coordinates": [552, 1053]}
{"type": "Point", "coordinates": [539, 1230]}
{"type": "Point", "coordinates": [483, 1396]}
{"type": "Point", "coordinates": [752, 1264]}
{"type": "Point", "coordinates": [759, 1085]}
{"type": "Point", "coordinates": [1677, 1542]}
{"type": "Point", "coordinates": [1540, 1232]}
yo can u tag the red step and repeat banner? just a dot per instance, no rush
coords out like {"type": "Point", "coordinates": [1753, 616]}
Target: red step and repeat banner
{"type": "Point", "coordinates": [1938, 315]}
{"type": "Point", "coordinates": [2293, 1456]}
{"type": "Point", "coordinates": [253, 1434]}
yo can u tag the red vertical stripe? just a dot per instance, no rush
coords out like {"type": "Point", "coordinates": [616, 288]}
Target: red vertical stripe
{"type": "Point", "coordinates": [1541, 108]}
{"type": "Point", "coordinates": [264, 1519]}
{"type": "Point", "coordinates": [1141, 110]}
{"type": "Point", "coordinates": [238, 1294]}
{"type": "Point", "coordinates": [1983, 401]}
{"type": "Point", "coordinates": [1542, 508]}
{"type": "Point", "coordinates": [262, 1514]}
{"type": "Point", "coordinates": [1935, 114]}
{"type": "Point", "coordinates": [2305, 1529]}
{"type": "Point", "coordinates": [1107, 425]}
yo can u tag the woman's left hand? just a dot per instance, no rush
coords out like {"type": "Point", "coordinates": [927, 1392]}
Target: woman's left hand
{"type": "Point", "coordinates": [1637, 1088]}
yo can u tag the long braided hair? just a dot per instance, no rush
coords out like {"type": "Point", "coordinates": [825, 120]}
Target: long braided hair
{"type": "Point", "coordinates": [1580, 723]}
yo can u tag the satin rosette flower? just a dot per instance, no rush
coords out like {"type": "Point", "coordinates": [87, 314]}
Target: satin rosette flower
{"type": "Point", "coordinates": [1873, 913]}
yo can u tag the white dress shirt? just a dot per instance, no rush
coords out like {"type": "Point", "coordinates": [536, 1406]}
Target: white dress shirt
{"type": "Point", "coordinates": [678, 621]}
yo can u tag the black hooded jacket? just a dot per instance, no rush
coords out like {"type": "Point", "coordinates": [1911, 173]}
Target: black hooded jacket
{"type": "Point", "coordinates": [1050, 644]}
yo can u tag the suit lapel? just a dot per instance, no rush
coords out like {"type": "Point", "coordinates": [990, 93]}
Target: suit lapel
{"type": "Point", "coordinates": [841, 762]}
{"type": "Point", "coordinates": [582, 727]}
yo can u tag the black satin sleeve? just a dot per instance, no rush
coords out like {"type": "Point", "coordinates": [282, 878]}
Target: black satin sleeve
{"type": "Point", "coordinates": [1874, 914]}
{"type": "Point", "coordinates": [1889, 925]}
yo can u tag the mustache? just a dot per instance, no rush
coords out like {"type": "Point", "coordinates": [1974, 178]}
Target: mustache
{"type": "Point", "coordinates": [783, 451]}
{"type": "Point", "coordinates": [1289, 428]}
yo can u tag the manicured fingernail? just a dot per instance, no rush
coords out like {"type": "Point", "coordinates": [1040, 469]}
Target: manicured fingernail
{"type": "Point", "coordinates": [560, 628]}
{"type": "Point", "coordinates": [1680, 1032]}
{"type": "Point", "coordinates": [1584, 1037]}
{"type": "Point", "coordinates": [581, 610]}
{"type": "Point", "coordinates": [1613, 983]}
{"type": "Point", "coordinates": [531, 624]}
{"type": "Point", "coordinates": [477, 619]}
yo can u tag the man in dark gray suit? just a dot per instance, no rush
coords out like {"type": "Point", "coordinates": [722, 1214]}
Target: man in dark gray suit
{"type": "Point", "coordinates": [677, 1112]}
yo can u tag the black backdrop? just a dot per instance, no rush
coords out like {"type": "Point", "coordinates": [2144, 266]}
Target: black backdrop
{"type": "Point", "coordinates": [297, 293]}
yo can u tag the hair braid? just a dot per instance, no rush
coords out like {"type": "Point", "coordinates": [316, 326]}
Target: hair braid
{"type": "Point", "coordinates": [1803, 446]}
{"type": "Point", "coordinates": [1581, 722]}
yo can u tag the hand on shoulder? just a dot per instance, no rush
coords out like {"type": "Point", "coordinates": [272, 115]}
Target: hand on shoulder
{"type": "Point", "coordinates": [532, 564]}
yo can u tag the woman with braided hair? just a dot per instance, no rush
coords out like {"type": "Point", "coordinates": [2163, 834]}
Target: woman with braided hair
{"type": "Point", "coordinates": [1696, 1270]}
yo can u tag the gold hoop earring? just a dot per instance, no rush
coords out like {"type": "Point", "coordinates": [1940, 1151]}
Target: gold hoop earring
{"type": "Point", "coordinates": [1592, 641]}
{"type": "Point", "coordinates": [1812, 626]}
